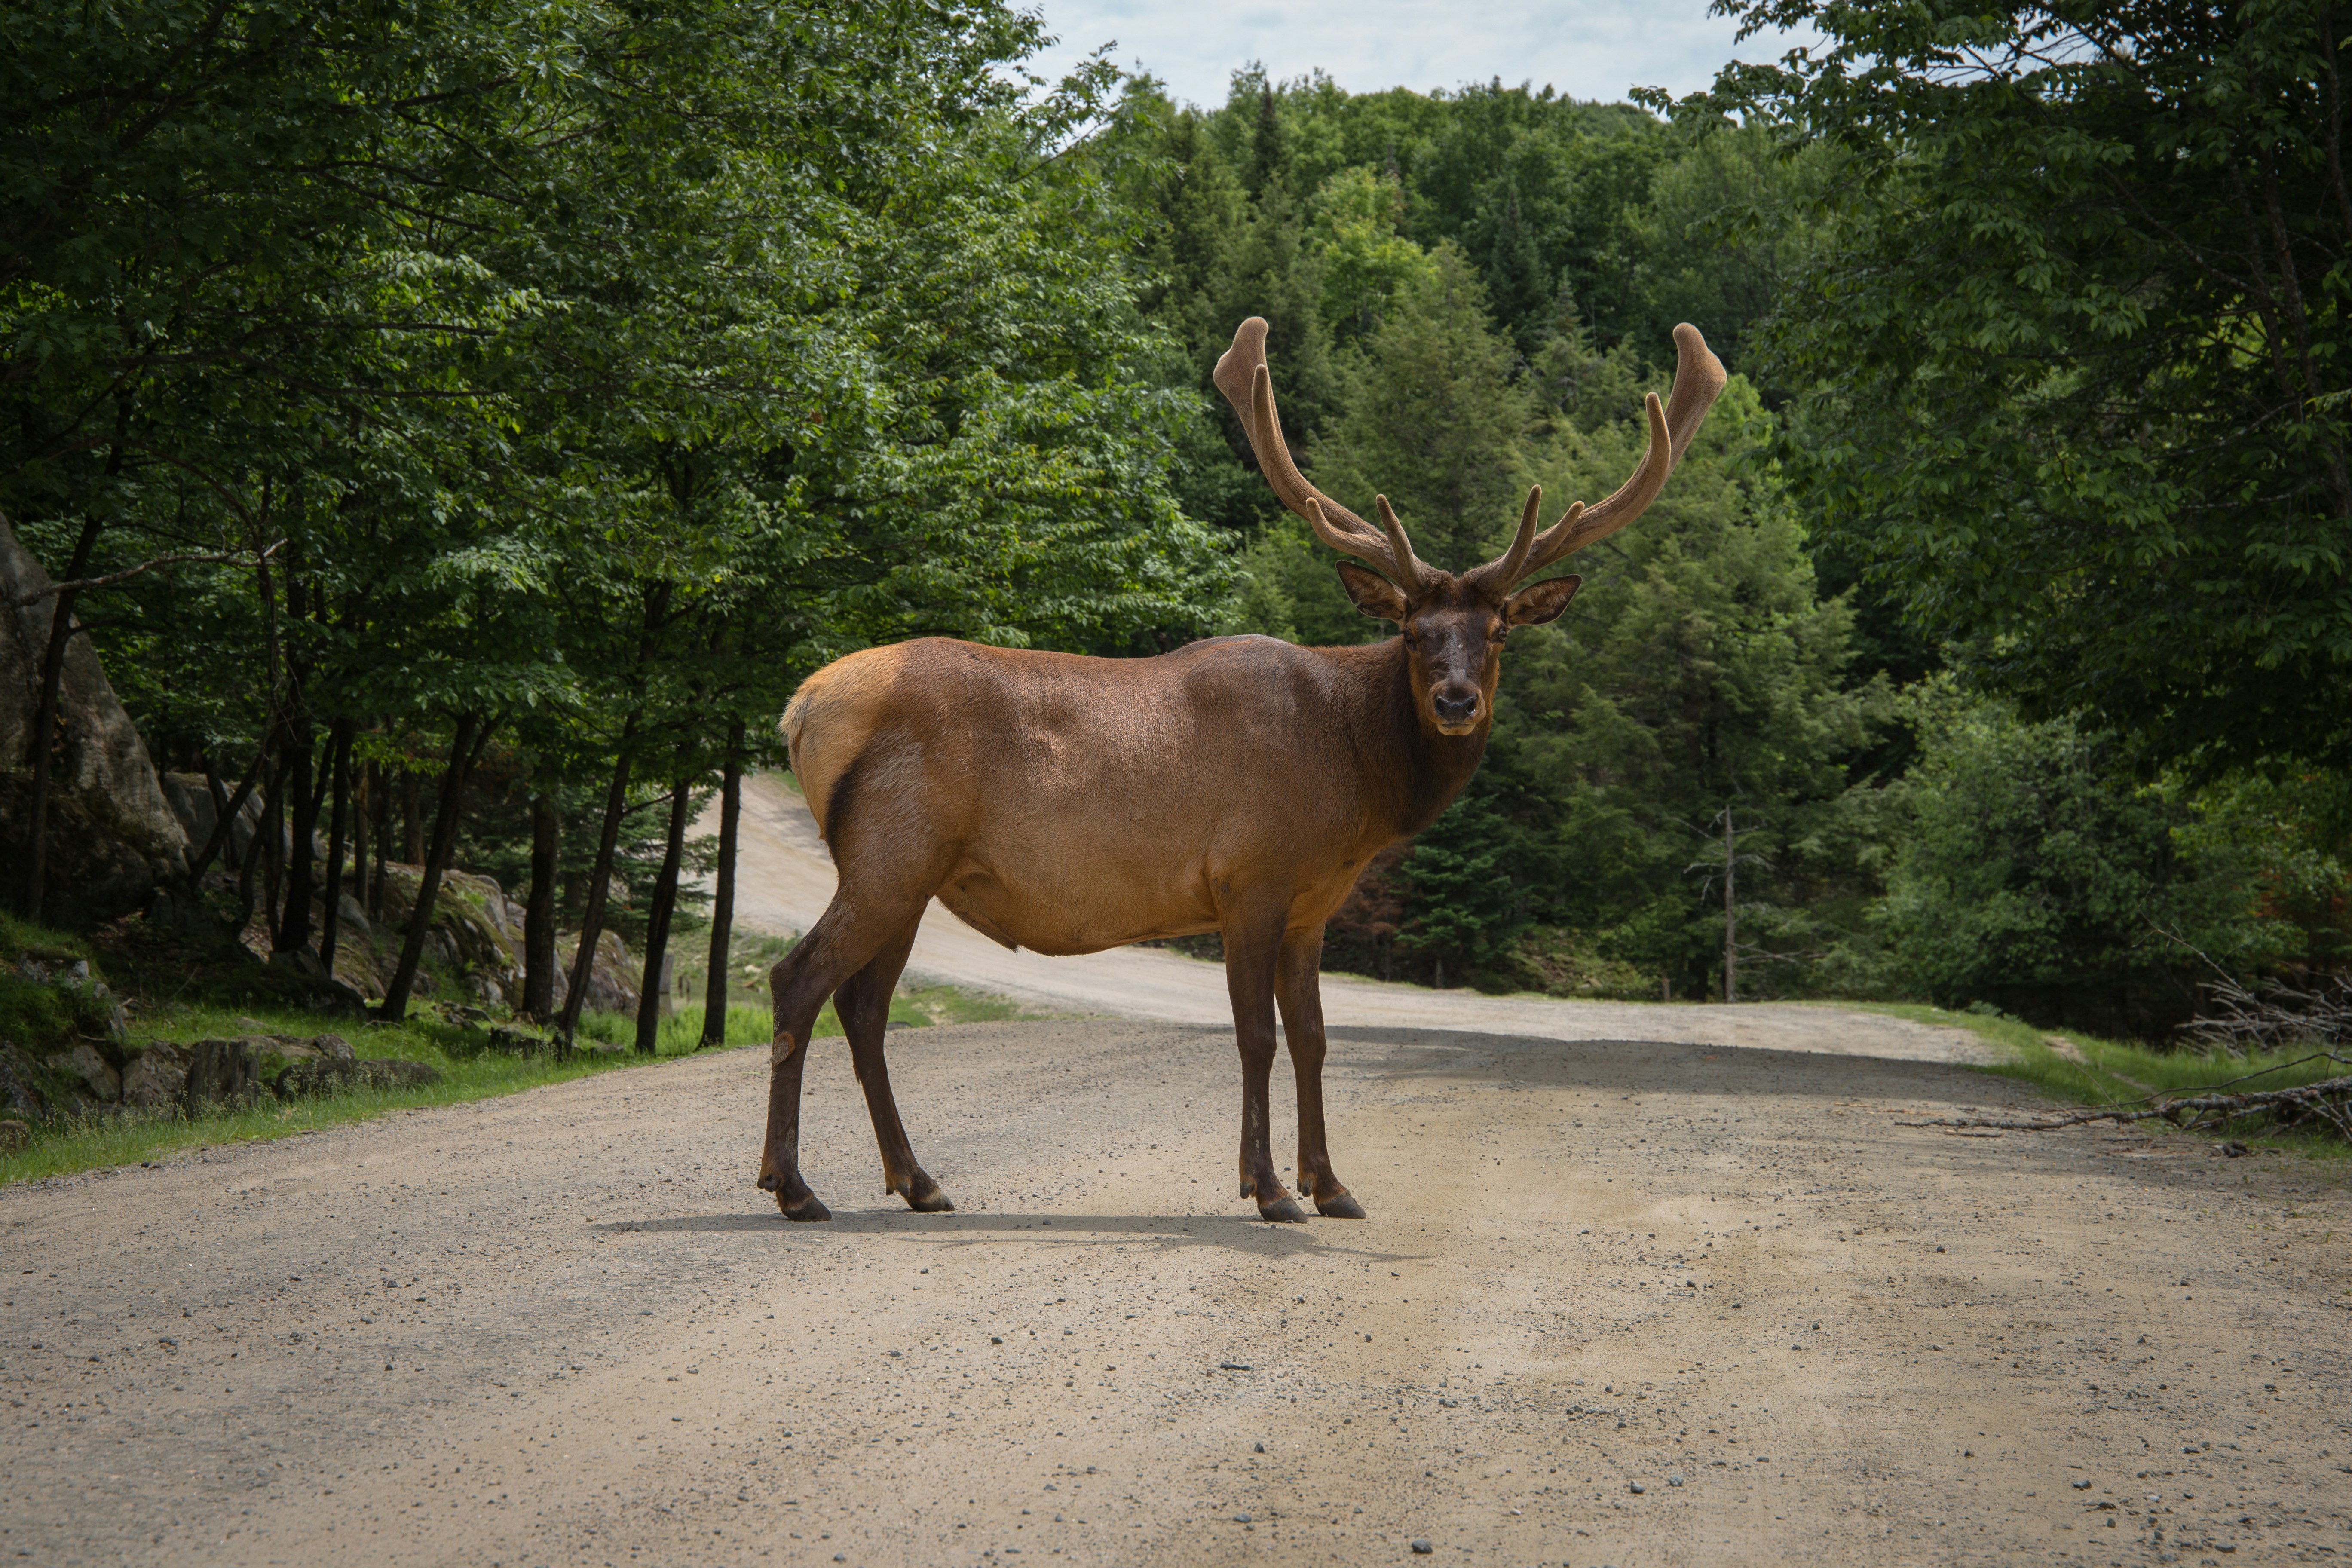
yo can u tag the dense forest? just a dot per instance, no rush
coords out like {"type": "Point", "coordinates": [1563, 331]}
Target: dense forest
{"type": "Point", "coordinates": [456, 429]}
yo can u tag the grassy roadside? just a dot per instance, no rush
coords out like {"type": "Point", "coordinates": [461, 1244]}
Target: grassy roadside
{"type": "Point", "coordinates": [469, 1070]}
{"type": "Point", "coordinates": [2115, 1072]}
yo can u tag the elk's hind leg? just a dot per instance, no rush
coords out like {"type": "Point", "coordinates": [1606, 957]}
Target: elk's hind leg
{"type": "Point", "coordinates": [1298, 989]}
{"type": "Point", "coordinates": [843, 942]}
{"type": "Point", "coordinates": [864, 1004]}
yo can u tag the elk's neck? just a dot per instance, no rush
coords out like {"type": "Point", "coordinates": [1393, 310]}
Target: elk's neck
{"type": "Point", "coordinates": [1429, 770]}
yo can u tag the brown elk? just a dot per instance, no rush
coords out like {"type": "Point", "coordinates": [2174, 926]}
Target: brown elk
{"type": "Point", "coordinates": [1239, 785]}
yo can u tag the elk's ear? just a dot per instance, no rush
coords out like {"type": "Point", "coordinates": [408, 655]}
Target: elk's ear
{"type": "Point", "coordinates": [1373, 593]}
{"type": "Point", "coordinates": [1541, 602]}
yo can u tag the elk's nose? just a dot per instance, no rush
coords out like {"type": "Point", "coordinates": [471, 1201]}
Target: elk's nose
{"type": "Point", "coordinates": [1455, 709]}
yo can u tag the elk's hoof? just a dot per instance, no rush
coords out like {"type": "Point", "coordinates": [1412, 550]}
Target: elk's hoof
{"type": "Point", "coordinates": [925, 1198]}
{"type": "Point", "coordinates": [1344, 1206]}
{"type": "Point", "coordinates": [1283, 1211]}
{"type": "Point", "coordinates": [807, 1206]}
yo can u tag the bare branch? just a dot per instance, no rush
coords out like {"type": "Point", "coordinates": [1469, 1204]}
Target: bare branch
{"type": "Point", "coordinates": [84, 585]}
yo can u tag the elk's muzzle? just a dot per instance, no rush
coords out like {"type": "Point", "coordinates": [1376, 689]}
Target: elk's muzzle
{"type": "Point", "coordinates": [1455, 711]}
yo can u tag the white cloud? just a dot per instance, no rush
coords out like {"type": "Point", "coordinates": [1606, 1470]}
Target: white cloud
{"type": "Point", "coordinates": [1585, 48]}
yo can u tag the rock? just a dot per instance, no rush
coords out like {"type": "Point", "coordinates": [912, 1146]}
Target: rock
{"type": "Point", "coordinates": [155, 1078]}
{"type": "Point", "coordinates": [18, 1092]}
{"type": "Point", "coordinates": [1637, 1488]}
{"type": "Point", "coordinates": [521, 1042]}
{"type": "Point", "coordinates": [13, 1136]}
{"type": "Point", "coordinates": [94, 1070]}
{"type": "Point", "coordinates": [112, 837]}
{"type": "Point", "coordinates": [326, 1074]}
{"type": "Point", "coordinates": [348, 912]}
{"type": "Point", "coordinates": [1674, 1479]}
{"type": "Point", "coordinates": [334, 1046]}
{"type": "Point", "coordinates": [190, 800]}
{"type": "Point", "coordinates": [1422, 1548]}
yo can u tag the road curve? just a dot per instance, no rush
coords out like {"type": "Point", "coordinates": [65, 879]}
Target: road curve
{"type": "Point", "coordinates": [785, 879]}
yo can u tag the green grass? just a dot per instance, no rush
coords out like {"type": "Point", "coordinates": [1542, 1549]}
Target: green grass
{"type": "Point", "coordinates": [2118, 1072]}
{"type": "Point", "coordinates": [469, 1070]}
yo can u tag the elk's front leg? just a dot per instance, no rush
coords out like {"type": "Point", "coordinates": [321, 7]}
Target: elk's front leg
{"type": "Point", "coordinates": [1297, 988]}
{"type": "Point", "coordinates": [1251, 953]}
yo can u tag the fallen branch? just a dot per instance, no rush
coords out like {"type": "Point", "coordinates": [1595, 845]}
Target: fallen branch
{"type": "Point", "coordinates": [2308, 1100]}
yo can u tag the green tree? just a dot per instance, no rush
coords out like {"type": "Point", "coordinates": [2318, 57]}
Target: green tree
{"type": "Point", "coordinates": [2070, 353]}
{"type": "Point", "coordinates": [2032, 874]}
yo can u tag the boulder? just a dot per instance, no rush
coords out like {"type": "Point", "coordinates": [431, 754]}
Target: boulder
{"type": "Point", "coordinates": [190, 800]}
{"type": "Point", "coordinates": [13, 1136]}
{"type": "Point", "coordinates": [97, 1073]}
{"type": "Point", "coordinates": [20, 1093]}
{"type": "Point", "coordinates": [112, 836]}
{"type": "Point", "coordinates": [328, 1074]}
{"type": "Point", "coordinates": [155, 1080]}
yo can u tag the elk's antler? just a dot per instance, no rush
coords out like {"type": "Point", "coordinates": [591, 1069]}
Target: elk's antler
{"type": "Point", "coordinates": [1699, 381]}
{"type": "Point", "coordinates": [1242, 375]}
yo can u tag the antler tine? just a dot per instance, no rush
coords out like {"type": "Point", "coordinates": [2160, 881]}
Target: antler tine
{"type": "Point", "coordinates": [1698, 382]}
{"type": "Point", "coordinates": [1400, 546]}
{"type": "Point", "coordinates": [1242, 376]}
{"type": "Point", "coordinates": [1510, 568]}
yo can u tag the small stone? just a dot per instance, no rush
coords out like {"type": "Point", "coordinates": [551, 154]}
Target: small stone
{"type": "Point", "coordinates": [1423, 1548]}
{"type": "Point", "coordinates": [1674, 1478]}
{"type": "Point", "coordinates": [996, 1339]}
{"type": "Point", "coordinates": [2082, 1486]}
{"type": "Point", "coordinates": [1261, 1448]}
{"type": "Point", "coordinates": [1241, 1519]}
{"type": "Point", "coordinates": [1638, 1487]}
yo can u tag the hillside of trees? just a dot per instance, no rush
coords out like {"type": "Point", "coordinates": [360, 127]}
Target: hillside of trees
{"type": "Point", "coordinates": [458, 432]}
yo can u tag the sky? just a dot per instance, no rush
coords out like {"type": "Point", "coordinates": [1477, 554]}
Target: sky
{"type": "Point", "coordinates": [1585, 48]}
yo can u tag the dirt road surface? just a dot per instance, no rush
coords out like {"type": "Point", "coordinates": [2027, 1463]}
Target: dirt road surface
{"type": "Point", "coordinates": [1617, 1303]}
{"type": "Point", "coordinates": [785, 880]}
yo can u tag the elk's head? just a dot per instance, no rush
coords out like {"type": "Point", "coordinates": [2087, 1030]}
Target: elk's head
{"type": "Point", "coordinates": [1454, 627]}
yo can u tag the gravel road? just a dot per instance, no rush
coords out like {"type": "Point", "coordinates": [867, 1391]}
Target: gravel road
{"type": "Point", "coordinates": [1618, 1302]}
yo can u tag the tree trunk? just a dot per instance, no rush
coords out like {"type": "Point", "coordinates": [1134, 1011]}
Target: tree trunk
{"type": "Point", "coordinates": [251, 859]}
{"type": "Point", "coordinates": [538, 915]}
{"type": "Point", "coordinates": [463, 752]}
{"type": "Point", "coordinates": [382, 792]}
{"type": "Point", "coordinates": [722, 900]}
{"type": "Point", "coordinates": [35, 889]}
{"type": "Point", "coordinates": [339, 753]}
{"type": "Point", "coordinates": [1730, 910]}
{"type": "Point", "coordinates": [294, 924]}
{"type": "Point", "coordinates": [651, 991]}
{"type": "Point", "coordinates": [412, 810]}
{"type": "Point", "coordinates": [363, 801]}
{"type": "Point", "coordinates": [592, 918]}
{"type": "Point", "coordinates": [225, 811]}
